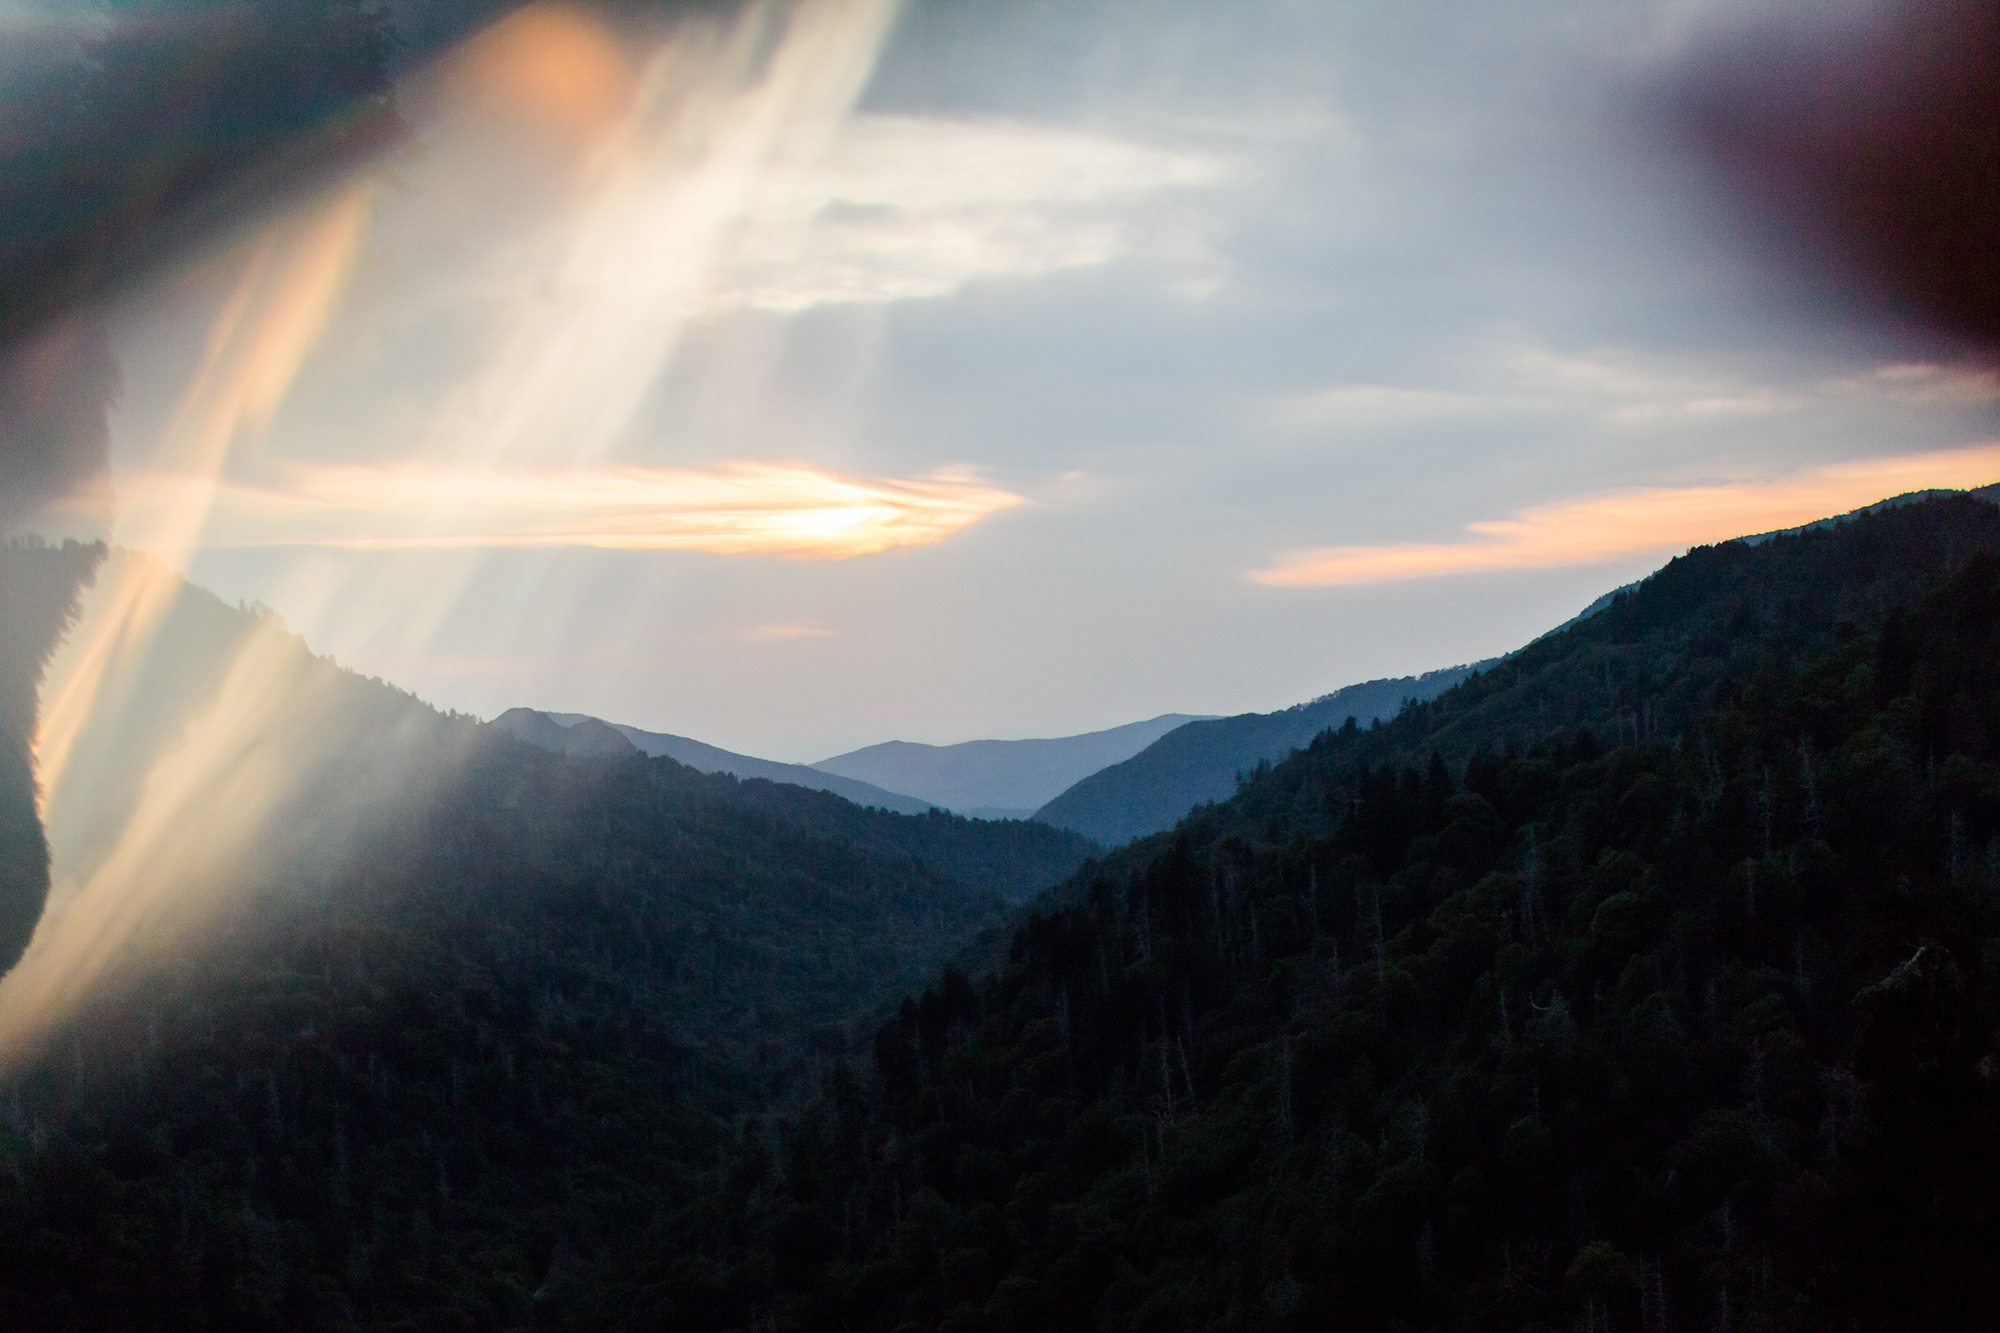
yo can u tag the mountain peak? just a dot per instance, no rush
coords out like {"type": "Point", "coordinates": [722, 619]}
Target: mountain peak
{"type": "Point", "coordinates": [587, 736]}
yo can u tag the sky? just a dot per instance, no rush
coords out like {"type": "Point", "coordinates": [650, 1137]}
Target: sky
{"type": "Point", "coordinates": [808, 376]}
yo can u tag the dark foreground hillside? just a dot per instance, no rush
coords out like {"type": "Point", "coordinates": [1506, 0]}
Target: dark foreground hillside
{"type": "Point", "coordinates": [523, 1029]}
{"type": "Point", "coordinates": [1648, 981]}
{"type": "Point", "coordinates": [471, 1015]}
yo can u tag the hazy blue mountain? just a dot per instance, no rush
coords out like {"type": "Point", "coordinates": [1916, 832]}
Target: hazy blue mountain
{"type": "Point", "coordinates": [1199, 761]}
{"type": "Point", "coordinates": [999, 779]}
{"type": "Point", "coordinates": [712, 759]}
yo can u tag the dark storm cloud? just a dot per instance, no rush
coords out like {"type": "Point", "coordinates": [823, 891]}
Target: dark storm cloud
{"type": "Point", "coordinates": [1866, 146]}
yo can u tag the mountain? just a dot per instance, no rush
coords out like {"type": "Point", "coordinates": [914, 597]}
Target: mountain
{"type": "Point", "coordinates": [186, 750]}
{"type": "Point", "coordinates": [1201, 761]}
{"type": "Point", "coordinates": [709, 759]}
{"type": "Point", "coordinates": [998, 779]}
{"type": "Point", "coordinates": [389, 1016]}
{"type": "Point", "coordinates": [1647, 980]}
{"type": "Point", "coordinates": [583, 736]}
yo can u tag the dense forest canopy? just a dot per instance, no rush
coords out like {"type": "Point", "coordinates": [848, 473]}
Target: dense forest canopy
{"type": "Point", "coordinates": [1644, 981]}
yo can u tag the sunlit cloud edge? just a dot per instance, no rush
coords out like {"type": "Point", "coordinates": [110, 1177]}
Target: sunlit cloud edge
{"type": "Point", "coordinates": [784, 509]}
{"type": "Point", "coordinates": [1594, 529]}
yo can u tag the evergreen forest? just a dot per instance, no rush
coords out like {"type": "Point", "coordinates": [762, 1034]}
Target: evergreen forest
{"type": "Point", "coordinates": [1644, 981]}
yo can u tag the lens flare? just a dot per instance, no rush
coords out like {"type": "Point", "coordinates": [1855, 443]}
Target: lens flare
{"type": "Point", "coordinates": [644, 250]}
{"type": "Point", "coordinates": [163, 803]}
{"type": "Point", "coordinates": [551, 65]}
{"type": "Point", "coordinates": [278, 308]}
{"type": "Point", "coordinates": [190, 832]}
{"type": "Point", "coordinates": [194, 833]}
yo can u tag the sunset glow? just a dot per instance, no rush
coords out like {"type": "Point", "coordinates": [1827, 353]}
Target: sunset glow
{"type": "Point", "coordinates": [1578, 532]}
{"type": "Point", "coordinates": [739, 509]}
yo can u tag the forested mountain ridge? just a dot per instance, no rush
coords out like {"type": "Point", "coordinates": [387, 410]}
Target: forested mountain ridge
{"type": "Point", "coordinates": [585, 735]}
{"type": "Point", "coordinates": [1201, 760]}
{"type": "Point", "coordinates": [707, 758]}
{"type": "Point", "coordinates": [471, 1007]}
{"type": "Point", "coordinates": [1647, 981]}
{"type": "Point", "coordinates": [521, 1026]}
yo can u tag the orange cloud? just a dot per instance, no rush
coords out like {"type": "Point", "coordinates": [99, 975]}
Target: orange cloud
{"type": "Point", "coordinates": [1630, 523]}
{"type": "Point", "coordinates": [740, 509]}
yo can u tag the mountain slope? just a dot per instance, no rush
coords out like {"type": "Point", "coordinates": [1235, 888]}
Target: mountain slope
{"type": "Point", "coordinates": [461, 1010]}
{"type": "Point", "coordinates": [1010, 779]}
{"type": "Point", "coordinates": [522, 1021]}
{"type": "Point", "coordinates": [710, 759]}
{"type": "Point", "coordinates": [1648, 980]}
{"type": "Point", "coordinates": [1202, 760]}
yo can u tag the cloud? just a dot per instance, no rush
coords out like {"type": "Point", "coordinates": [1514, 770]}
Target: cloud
{"type": "Point", "coordinates": [1607, 527]}
{"type": "Point", "coordinates": [907, 208]}
{"type": "Point", "coordinates": [1366, 406]}
{"type": "Point", "coordinates": [1614, 387]}
{"type": "Point", "coordinates": [590, 316]}
{"type": "Point", "coordinates": [738, 509]}
{"type": "Point", "coordinates": [1926, 383]}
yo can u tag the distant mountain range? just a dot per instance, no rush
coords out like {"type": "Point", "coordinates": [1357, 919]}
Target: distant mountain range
{"type": "Point", "coordinates": [998, 779]}
{"type": "Point", "coordinates": [1201, 761]}
{"type": "Point", "coordinates": [579, 733]}
{"type": "Point", "coordinates": [1111, 786]}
